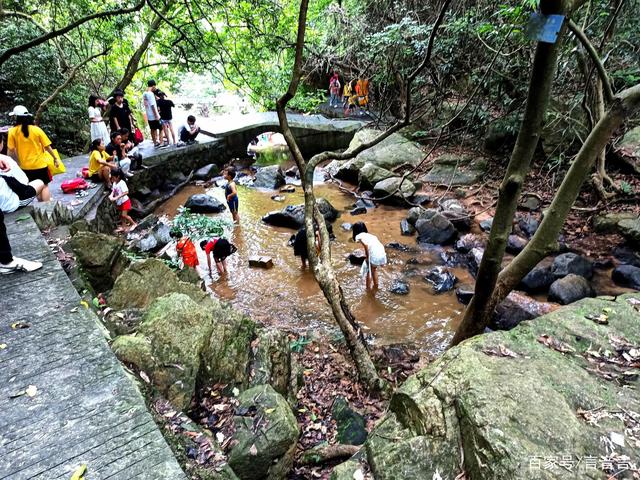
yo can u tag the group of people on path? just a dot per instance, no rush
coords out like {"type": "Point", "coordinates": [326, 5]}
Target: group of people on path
{"type": "Point", "coordinates": [353, 96]}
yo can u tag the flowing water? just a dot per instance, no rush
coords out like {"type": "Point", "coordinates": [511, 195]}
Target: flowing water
{"type": "Point", "coordinates": [288, 296]}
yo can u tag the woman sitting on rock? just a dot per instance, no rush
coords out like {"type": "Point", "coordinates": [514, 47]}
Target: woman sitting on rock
{"type": "Point", "coordinates": [375, 256]}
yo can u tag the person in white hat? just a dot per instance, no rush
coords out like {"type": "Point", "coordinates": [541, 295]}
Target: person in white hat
{"type": "Point", "coordinates": [29, 146]}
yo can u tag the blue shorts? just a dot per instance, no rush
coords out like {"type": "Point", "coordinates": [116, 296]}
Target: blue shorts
{"type": "Point", "coordinates": [233, 203]}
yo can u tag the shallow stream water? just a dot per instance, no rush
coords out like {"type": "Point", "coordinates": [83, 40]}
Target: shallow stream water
{"type": "Point", "coordinates": [288, 296]}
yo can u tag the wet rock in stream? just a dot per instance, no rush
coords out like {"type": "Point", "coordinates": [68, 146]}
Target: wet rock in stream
{"type": "Point", "coordinates": [271, 177]}
{"type": "Point", "coordinates": [464, 293]}
{"type": "Point", "coordinates": [399, 287]}
{"type": "Point", "coordinates": [203, 203]}
{"type": "Point", "coordinates": [570, 289]}
{"type": "Point", "coordinates": [627, 276]}
{"type": "Point", "coordinates": [406, 229]}
{"type": "Point", "coordinates": [571, 263]}
{"type": "Point", "coordinates": [292, 216]}
{"type": "Point", "coordinates": [441, 279]}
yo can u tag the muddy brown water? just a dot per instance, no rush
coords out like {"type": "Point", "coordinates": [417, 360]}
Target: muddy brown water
{"type": "Point", "coordinates": [289, 297]}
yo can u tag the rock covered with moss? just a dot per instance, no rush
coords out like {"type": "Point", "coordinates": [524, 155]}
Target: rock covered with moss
{"type": "Point", "coordinates": [100, 258]}
{"type": "Point", "coordinates": [498, 405]}
{"type": "Point", "coordinates": [267, 433]}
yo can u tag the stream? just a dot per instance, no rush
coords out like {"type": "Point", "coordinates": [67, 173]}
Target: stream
{"type": "Point", "coordinates": [289, 297]}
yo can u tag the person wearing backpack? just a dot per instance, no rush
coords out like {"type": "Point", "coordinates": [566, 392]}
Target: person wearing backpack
{"type": "Point", "coordinates": [220, 248]}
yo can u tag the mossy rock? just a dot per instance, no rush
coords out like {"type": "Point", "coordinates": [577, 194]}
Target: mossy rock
{"type": "Point", "coordinates": [168, 346]}
{"type": "Point", "coordinates": [456, 170]}
{"type": "Point", "coordinates": [145, 281]}
{"type": "Point", "coordinates": [267, 439]}
{"type": "Point", "coordinates": [99, 257]}
{"type": "Point", "coordinates": [503, 411]}
{"type": "Point", "coordinates": [346, 470]}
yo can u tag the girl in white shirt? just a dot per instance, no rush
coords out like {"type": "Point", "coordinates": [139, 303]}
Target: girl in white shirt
{"type": "Point", "coordinates": [374, 252]}
{"type": "Point", "coordinates": [98, 127]}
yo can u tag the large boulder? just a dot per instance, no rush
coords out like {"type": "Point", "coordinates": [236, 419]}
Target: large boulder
{"type": "Point", "coordinates": [392, 153]}
{"type": "Point", "coordinates": [570, 289]}
{"type": "Point", "coordinates": [394, 190]}
{"type": "Point", "coordinates": [348, 171]}
{"type": "Point", "coordinates": [207, 172]}
{"type": "Point", "coordinates": [627, 276]}
{"type": "Point", "coordinates": [456, 170]}
{"type": "Point", "coordinates": [100, 258]}
{"type": "Point", "coordinates": [571, 263]}
{"type": "Point", "coordinates": [266, 432]}
{"type": "Point", "coordinates": [627, 151]}
{"type": "Point", "coordinates": [156, 238]}
{"type": "Point", "coordinates": [168, 346]}
{"type": "Point", "coordinates": [504, 402]}
{"type": "Point", "coordinates": [203, 203]}
{"type": "Point", "coordinates": [456, 213]}
{"type": "Point", "coordinates": [630, 229]}
{"type": "Point", "coordinates": [516, 308]}
{"type": "Point", "coordinates": [435, 229]}
{"type": "Point", "coordinates": [143, 282]}
{"type": "Point", "coordinates": [608, 222]}
{"type": "Point", "coordinates": [539, 279]}
{"type": "Point", "coordinates": [271, 177]}
{"type": "Point", "coordinates": [292, 216]}
{"type": "Point", "coordinates": [370, 174]}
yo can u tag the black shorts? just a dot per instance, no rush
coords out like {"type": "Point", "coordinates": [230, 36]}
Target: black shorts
{"type": "Point", "coordinates": [26, 193]}
{"type": "Point", "coordinates": [154, 124]}
{"type": "Point", "coordinates": [38, 174]}
{"type": "Point", "coordinates": [96, 178]}
{"type": "Point", "coordinates": [300, 244]}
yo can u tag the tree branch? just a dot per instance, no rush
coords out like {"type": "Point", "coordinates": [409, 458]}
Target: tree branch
{"type": "Point", "coordinates": [72, 73]}
{"type": "Point", "coordinates": [10, 52]}
{"type": "Point", "coordinates": [595, 58]}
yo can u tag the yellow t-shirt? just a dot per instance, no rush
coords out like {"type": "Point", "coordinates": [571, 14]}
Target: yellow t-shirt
{"type": "Point", "coordinates": [94, 161]}
{"type": "Point", "coordinates": [31, 153]}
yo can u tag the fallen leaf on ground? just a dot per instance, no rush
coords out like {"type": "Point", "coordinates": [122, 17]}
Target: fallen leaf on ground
{"type": "Point", "coordinates": [3, 346]}
{"type": "Point", "coordinates": [31, 391]}
{"type": "Point", "coordinates": [144, 377]}
{"type": "Point", "coordinates": [84, 304]}
{"type": "Point", "coordinates": [253, 450]}
{"type": "Point", "coordinates": [600, 319]}
{"type": "Point", "coordinates": [500, 351]}
{"type": "Point", "coordinates": [555, 344]}
{"type": "Point", "coordinates": [79, 472]}
{"type": "Point", "coordinates": [358, 475]}
{"type": "Point", "coordinates": [20, 325]}
{"type": "Point", "coordinates": [22, 218]}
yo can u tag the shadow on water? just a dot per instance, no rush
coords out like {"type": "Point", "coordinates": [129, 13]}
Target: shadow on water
{"type": "Point", "coordinates": [288, 296]}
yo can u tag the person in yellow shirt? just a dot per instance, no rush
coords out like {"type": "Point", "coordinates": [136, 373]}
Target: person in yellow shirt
{"type": "Point", "coordinates": [346, 93]}
{"type": "Point", "coordinates": [100, 163]}
{"type": "Point", "coordinates": [29, 146]}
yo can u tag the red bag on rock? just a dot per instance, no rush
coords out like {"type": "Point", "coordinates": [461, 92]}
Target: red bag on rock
{"type": "Point", "coordinates": [137, 135]}
{"type": "Point", "coordinates": [73, 185]}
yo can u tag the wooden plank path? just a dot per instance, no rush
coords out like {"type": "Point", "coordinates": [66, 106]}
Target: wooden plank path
{"type": "Point", "coordinates": [87, 410]}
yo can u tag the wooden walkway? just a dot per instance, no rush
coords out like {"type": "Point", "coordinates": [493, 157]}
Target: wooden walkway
{"type": "Point", "coordinates": [87, 410]}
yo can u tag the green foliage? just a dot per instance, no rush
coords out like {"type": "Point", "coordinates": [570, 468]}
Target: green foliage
{"type": "Point", "coordinates": [198, 226]}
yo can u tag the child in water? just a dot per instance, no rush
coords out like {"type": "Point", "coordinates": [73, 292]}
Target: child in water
{"type": "Point", "coordinates": [120, 195]}
{"type": "Point", "coordinates": [231, 192]}
{"type": "Point", "coordinates": [186, 249]}
{"type": "Point", "coordinates": [374, 253]}
{"type": "Point", "coordinates": [220, 248]}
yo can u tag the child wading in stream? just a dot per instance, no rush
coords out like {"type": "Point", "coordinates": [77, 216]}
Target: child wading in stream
{"type": "Point", "coordinates": [120, 195]}
{"type": "Point", "coordinates": [231, 192]}
{"type": "Point", "coordinates": [186, 249]}
{"type": "Point", "coordinates": [375, 256]}
{"type": "Point", "coordinates": [220, 248]}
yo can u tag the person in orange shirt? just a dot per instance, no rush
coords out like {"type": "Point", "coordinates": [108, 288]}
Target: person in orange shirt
{"type": "Point", "coordinates": [186, 249]}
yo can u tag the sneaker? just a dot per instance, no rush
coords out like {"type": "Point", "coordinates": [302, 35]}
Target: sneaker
{"type": "Point", "coordinates": [19, 265]}
{"type": "Point", "coordinates": [128, 174]}
{"type": "Point", "coordinates": [180, 144]}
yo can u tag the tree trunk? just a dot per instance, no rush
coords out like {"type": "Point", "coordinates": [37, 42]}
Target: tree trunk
{"type": "Point", "coordinates": [478, 313]}
{"type": "Point", "coordinates": [72, 73]}
{"type": "Point", "coordinates": [544, 240]}
{"type": "Point", "coordinates": [134, 61]}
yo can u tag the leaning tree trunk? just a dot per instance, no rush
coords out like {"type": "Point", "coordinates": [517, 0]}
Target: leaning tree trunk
{"type": "Point", "coordinates": [479, 311]}
{"type": "Point", "coordinates": [544, 241]}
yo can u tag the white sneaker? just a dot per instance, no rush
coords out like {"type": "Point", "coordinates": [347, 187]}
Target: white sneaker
{"type": "Point", "coordinates": [128, 174]}
{"type": "Point", "coordinates": [19, 265]}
